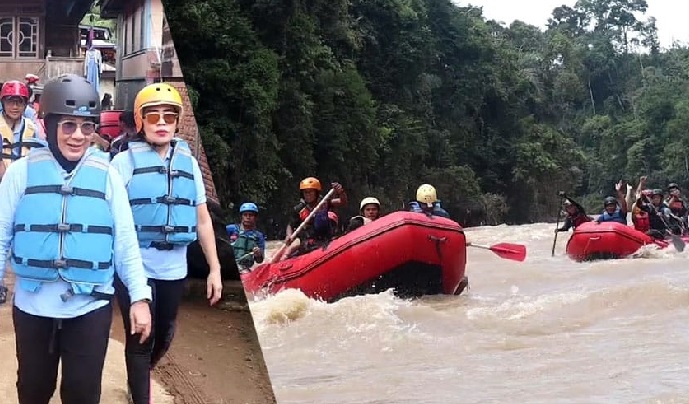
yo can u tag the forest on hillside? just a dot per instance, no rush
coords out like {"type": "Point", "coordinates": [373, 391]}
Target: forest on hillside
{"type": "Point", "coordinates": [383, 95]}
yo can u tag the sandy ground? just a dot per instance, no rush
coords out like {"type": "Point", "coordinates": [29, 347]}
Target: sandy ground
{"type": "Point", "coordinates": [215, 357]}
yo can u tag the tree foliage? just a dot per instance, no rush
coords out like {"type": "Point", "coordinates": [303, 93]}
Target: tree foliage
{"type": "Point", "coordinates": [383, 95]}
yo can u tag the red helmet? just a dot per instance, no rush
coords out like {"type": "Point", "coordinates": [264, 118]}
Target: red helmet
{"type": "Point", "coordinates": [31, 78]}
{"type": "Point", "coordinates": [14, 88]}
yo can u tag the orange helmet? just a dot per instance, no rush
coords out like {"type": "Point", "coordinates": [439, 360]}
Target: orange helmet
{"type": "Point", "coordinates": [152, 95]}
{"type": "Point", "coordinates": [310, 183]}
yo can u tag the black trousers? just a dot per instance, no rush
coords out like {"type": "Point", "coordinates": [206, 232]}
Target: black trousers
{"type": "Point", "coordinates": [141, 358]}
{"type": "Point", "coordinates": [80, 343]}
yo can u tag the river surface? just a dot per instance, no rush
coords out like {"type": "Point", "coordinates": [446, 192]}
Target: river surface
{"type": "Point", "coordinates": [547, 330]}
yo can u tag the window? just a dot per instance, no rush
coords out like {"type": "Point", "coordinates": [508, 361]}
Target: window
{"type": "Point", "coordinates": [19, 37]}
{"type": "Point", "coordinates": [125, 36]}
{"type": "Point", "coordinates": [132, 21]}
{"type": "Point", "coordinates": [142, 27]}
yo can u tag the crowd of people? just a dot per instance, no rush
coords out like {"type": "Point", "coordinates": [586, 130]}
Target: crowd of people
{"type": "Point", "coordinates": [316, 214]}
{"type": "Point", "coordinates": [85, 222]}
{"type": "Point", "coordinates": [654, 212]}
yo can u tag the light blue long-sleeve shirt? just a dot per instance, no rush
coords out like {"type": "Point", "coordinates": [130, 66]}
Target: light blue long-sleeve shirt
{"type": "Point", "coordinates": [164, 265]}
{"type": "Point", "coordinates": [46, 301]}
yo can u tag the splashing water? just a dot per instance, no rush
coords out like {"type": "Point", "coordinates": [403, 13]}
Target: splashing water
{"type": "Point", "coordinates": [548, 330]}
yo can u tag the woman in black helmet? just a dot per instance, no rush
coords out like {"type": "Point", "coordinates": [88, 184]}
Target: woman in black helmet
{"type": "Point", "coordinates": [67, 221]}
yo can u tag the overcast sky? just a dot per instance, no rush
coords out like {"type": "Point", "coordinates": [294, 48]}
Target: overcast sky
{"type": "Point", "coordinates": [671, 15]}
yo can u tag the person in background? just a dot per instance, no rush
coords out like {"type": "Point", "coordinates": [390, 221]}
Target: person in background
{"type": "Point", "coordinates": [659, 213]}
{"type": "Point", "coordinates": [127, 133]}
{"type": "Point", "coordinates": [106, 102]}
{"type": "Point", "coordinates": [427, 202]}
{"type": "Point", "coordinates": [369, 211]}
{"type": "Point", "coordinates": [248, 243]}
{"type": "Point", "coordinates": [575, 215]}
{"type": "Point", "coordinates": [323, 227]}
{"type": "Point", "coordinates": [19, 133]}
{"type": "Point", "coordinates": [613, 210]}
{"type": "Point", "coordinates": [66, 228]}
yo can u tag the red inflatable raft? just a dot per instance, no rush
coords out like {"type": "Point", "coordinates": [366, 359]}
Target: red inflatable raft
{"type": "Point", "coordinates": [607, 240]}
{"type": "Point", "coordinates": [410, 252]}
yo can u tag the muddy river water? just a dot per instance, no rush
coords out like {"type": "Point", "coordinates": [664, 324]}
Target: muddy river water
{"type": "Point", "coordinates": [547, 330]}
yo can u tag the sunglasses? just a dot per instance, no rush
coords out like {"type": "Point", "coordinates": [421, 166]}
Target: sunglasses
{"type": "Point", "coordinates": [69, 127]}
{"type": "Point", "coordinates": [153, 118]}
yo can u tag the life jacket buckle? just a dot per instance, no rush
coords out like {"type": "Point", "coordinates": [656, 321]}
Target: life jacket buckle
{"type": "Point", "coordinates": [64, 227]}
{"type": "Point", "coordinates": [66, 189]}
{"type": "Point", "coordinates": [169, 199]}
{"type": "Point", "coordinates": [168, 229]}
{"type": "Point", "coordinates": [61, 263]}
{"type": "Point", "coordinates": [174, 173]}
{"type": "Point", "coordinates": [162, 245]}
{"type": "Point", "coordinates": [162, 170]}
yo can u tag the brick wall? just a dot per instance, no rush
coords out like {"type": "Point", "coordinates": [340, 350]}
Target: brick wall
{"type": "Point", "coordinates": [189, 131]}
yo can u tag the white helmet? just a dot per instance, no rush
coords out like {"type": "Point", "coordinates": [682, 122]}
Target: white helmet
{"type": "Point", "coordinates": [369, 201]}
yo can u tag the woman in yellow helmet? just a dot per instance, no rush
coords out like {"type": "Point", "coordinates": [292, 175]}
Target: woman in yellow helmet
{"type": "Point", "coordinates": [168, 201]}
{"type": "Point", "coordinates": [427, 202]}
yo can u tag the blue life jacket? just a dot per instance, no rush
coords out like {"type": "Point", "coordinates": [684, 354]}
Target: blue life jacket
{"type": "Point", "coordinates": [64, 229]}
{"type": "Point", "coordinates": [437, 210]}
{"type": "Point", "coordinates": [163, 196]}
{"type": "Point", "coordinates": [615, 217]}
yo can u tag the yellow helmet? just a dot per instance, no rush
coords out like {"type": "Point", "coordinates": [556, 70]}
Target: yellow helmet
{"type": "Point", "coordinates": [369, 201]}
{"type": "Point", "coordinates": [155, 94]}
{"type": "Point", "coordinates": [426, 194]}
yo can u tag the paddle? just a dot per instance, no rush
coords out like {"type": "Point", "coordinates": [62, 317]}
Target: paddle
{"type": "Point", "coordinates": [563, 196]}
{"type": "Point", "coordinates": [301, 227]}
{"type": "Point", "coordinates": [515, 252]}
{"type": "Point", "coordinates": [676, 240]}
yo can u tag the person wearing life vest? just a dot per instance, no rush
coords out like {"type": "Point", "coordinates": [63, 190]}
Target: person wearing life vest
{"type": "Point", "coordinates": [248, 243]}
{"type": "Point", "coordinates": [66, 229]}
{"type": "Point", "coordinates": [659, 214]}
{"type": "Point", "coordinates": [613, 211]}
{"type": "Point", "coordinates": [19, 134]}
{"type": "Point", "coordinates": [369, 210]}
{"type": "Point", "coordinates": [31, 111]}
{"type": "Point", "coordinates": [640, 217]}
{"type": "Point", "coordinates": [427, 202]}
{"type": "Point", "coordinates": [168, 202]}
{"type": "Point", "coordinates": [675, 201]}
{"type": "Point", "coordinates": [575, 215]}
{"type": "Point", "coordinates": [323, 226]}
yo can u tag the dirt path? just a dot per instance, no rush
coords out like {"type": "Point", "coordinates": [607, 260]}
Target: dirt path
{"type": "Point", "coordinates": [215, 357]}
{"type": "Point", "coordinates": [114, 374]}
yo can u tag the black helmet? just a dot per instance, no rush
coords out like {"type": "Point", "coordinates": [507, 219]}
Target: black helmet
{"type": "Point", "coordinates": [70, 94]}
{"type": "Point", "coordinates": [658, 192]}
{"type": "Point", "coordinates": [672, 185]}
{"type": "Point", "coordinates": [609, 201]}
